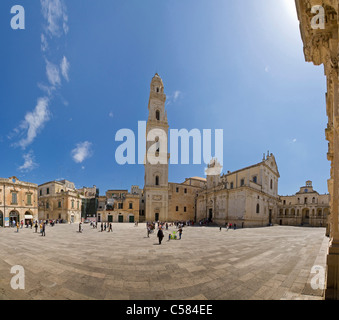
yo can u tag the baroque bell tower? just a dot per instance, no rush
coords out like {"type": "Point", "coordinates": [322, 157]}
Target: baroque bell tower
{"type": "Point", "coordinates": [157, 157]}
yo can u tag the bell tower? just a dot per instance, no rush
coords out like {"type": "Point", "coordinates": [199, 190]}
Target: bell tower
{"type": "Point", "coordinates": [157, 157]}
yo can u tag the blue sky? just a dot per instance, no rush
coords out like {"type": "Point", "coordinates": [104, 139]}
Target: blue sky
{"type": "Point", "coordinates": [81, 70]}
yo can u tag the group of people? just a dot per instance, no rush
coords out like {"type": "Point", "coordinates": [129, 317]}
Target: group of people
{"type": "Point", "coordinates": [107, 226]}
{"type": "Point", "coordinates": [41, 225]}
{"type": "Point", "coordinates": [151, 226]}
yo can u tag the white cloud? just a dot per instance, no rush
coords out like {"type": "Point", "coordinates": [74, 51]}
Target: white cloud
{"type": "Point", "coordinates": [176, 95]}
{"type": "Point", "coordinates": [294, 140]}
{"type": "Point", "coordinates": [54, 12]}
{"type": "Point", "coordinates": [172, 98]}
{"type": "Point", "coordinates": [29, 162]}
{"type": "Point", "coordinates": [53, 73]}
{"type": "Point", "coordinates": [65, 68]}
{"type": "Point", "coordinates": [111, 115]}
{"type": "Point", "coordinates": [44, 43]}
{"type": "Point", "coordinates": [34, 122]}
{"type": "Point", "coordinates": [82, 151]}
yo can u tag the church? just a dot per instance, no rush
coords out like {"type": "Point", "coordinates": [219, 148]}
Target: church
{"type": "Point", "coordinates": [247, 197]}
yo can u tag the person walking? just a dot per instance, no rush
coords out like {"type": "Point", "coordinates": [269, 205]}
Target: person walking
{"type": "Point", "coordinates": [160, 235]}
{"type": "Point", "coordinates": [102, 227]}
{"type": "Point", "coordinates": [43, 234]}
{"type": "Point", "coordinates": [17, 227]}
{"type": "Point", "coordinates": [36, 226]}
{"type": "Point", "coordinates": [110, 229]}
{"type": "Point", "coordinates": [80, 230]}
{"type": "Point", "coordinates": [180, 233]}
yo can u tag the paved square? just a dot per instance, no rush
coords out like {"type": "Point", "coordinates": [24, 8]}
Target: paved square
{"type": "Point", "coordinates": [261, 263]}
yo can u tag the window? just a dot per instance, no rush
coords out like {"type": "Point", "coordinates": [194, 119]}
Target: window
{"type": "Point", "coordinates": [184, 209]}
{"type": "Point", "coordinates": [72, 204]}
{"type": "Point", "coordinates": [78, 204]}
{"type": "Point", "coordinates": [258, 208]}
{"type": "Point", "coordinates": [157, 89]}
{"type": "Point", "coordinates": [271, 184]}
{"type": "Point", "coordinates": [176, 208]}
{"type": "Point", "coordinates": [120, 205]}
{"type": "Point", "coordinates": [255, 179]}
{"type": "Point", "coordinates": [305, 200]}
{"type": "Point", "coordinates": [313, 200]}
{"type": "Point", "coordinates": [14, 198]}
{"type": "Point", "coordinates": [29, 199]}
{"type": "Point", "coordinates": [231, 185]}
{"type": "Point", "coordinates": [284, 202]}
{"type": "Point", "coordinates": [40, 192]}
{"type": "Point", "coordinates": [47, 191]}
{"type": "Point", "coordinates": [157, 115]}
{"type": "Point", "coordinates": [47, 205]}
{"type": "Point", "coordinates": [185, 190]}
{"type": "Point", "coordinates": [130, 205]}
{"type": "Point", "coordinates": [59, 204]}
{"type": "Point", "coordinates": [157, 180]}
{"type": "Point", "coordinates": [242, 182]}
{"type": "Point", "coordinates": [177, 189]}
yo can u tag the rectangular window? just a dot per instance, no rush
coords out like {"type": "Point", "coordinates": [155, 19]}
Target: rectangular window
{"type": "Point", "coordinates": [130, 205]}
{"type": "Point", "coordinates": [231, 185]}
{"type": "Point", "coordinates": [14, 198]}
{"type": "Point", "coordinates": [176, 208]}
{"type": "Point", "coordinates": [184, 209]}
{"type": "Point", "coordinates": [59, 204]}
{"type": "Point", "coordinates": [242, 182]}
{"type": "Point", "coordinates": [47, 191]}
{"type": "Point", "coordinates": [177, 189]}
{"type": "Point", "coordinates": [120, 206]}
{"type": "Point", "coordinates": [255, 179]}
{"type": "Point", "coordinates": [47, 205]}
{"type": "Point", "coordinates": [29, 199]}
{"type": "Point", "coordinates": [40, 192]}
{"type": "Point", "coordinates": [72, 204]}
{"type": "Point", "coordinates": [185, 190]}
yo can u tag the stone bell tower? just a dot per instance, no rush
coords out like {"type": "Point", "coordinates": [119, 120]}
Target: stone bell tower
{"type": "Point", "coordinates": [157, 157]}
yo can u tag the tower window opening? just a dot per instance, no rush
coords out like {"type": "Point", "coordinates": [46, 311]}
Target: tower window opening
{"type": "Point", "coordinates": [157, 115]}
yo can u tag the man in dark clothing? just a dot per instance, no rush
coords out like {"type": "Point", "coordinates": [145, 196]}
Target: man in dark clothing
{"type": "Point", "coordinates": [43, 234]}
{"type": "Point", "coordinates": [160, 235]}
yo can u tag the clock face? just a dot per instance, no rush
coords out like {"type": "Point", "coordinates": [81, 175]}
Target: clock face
{"type": "Point", "coordinates": [306, 190]}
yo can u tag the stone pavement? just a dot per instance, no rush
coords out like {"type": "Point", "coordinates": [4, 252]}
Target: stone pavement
{"type": "Point", "coordinates": [261, 263]}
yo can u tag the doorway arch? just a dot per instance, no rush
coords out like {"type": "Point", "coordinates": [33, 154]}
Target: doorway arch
{"type": "Point", "coordinates": [14, 217]}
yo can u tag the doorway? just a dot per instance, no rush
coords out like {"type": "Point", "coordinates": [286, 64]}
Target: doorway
{"type": "Point", "coordinates": [121, 218]}
{"type": "Point", "coordinates": [210, 215]}
{"type": "Point", "coordinates": [157, 217]}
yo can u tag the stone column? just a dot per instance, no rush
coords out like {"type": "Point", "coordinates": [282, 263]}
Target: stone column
{"type": "Point", "coordinates": [321, 47]}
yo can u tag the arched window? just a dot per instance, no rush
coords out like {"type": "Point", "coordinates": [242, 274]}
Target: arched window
{"type": "Point", "coordinates": [258, 208]}
{"type": "Point", "coordinates": [157, 180]}
{"type": "Point", "coordinates": [157, 115]}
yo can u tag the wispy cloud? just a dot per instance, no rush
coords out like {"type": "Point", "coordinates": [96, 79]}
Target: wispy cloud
{"type": "Point", "coordinates": [174, 97]}
{"type": "Point", "coordinates": [53, 73]}
{"type": "Point", "coordinates": [29, 162]}
{"type": "Point", "coordinates": [82, 151]}
{"type": "Point", "coordinates": [34, 122]}
{"type": "Point", "coordinates": [111, 115]}
{"type": "Point", "coordinates": [55, 14]}
{"type": "Point", "coordinates": [65, 65]}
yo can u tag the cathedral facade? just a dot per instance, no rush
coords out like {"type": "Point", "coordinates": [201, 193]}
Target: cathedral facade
{"type": "Point", "coordinates": [247, 197]}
